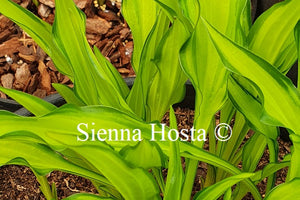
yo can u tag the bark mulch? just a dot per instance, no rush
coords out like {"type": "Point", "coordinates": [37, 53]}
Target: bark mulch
{"type": "Point", "coordinates": [25, 66]}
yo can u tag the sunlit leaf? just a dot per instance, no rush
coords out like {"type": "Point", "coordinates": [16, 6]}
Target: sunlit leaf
{"type": "Point", "coordinates": [86, 196]}
{"type": "Point", "coordinates": [273, 42]}
{"type": "Point", "coordinates": [34, 104]}
{"type": "Point", "coordinates": [241, 61]}
{"type": "Point", "coordinates": [216, 190]}
{"type": "Point", "coordinates": [283, 191]}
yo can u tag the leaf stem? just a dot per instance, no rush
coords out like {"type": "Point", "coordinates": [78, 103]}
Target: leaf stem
{"type": "Point", "coordinates": [44, 186]}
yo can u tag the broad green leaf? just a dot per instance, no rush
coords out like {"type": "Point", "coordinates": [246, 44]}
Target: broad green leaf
{"type": "Point", "coordinates": [243, 62]}
{"type": "Point", "coordinates": [59, 131]}
{"type": "Point", "coordinates": [68, 94]}
{"type": "Point", "coordinates": [297, 37]}
{"type": "Point", "coordinates": [34, 104]}
{"type": "Point", "coordinates": [268, 170]}
{"type": "Point", "coordinates": [160, 80]}
{"type": "Point", "coordinates": [174, 11]}
{"type": "Point", "coordinates": [92, 80]}
{"type": "Point", "coordinates": [190, 9]}
{"type": "Point", "coordinates": [201, 62]}
{"type": "Point", "coordinates": [141, 17]}
{"type": "Point", "coordinates": [32, 154]}
{"type": "Point", "coordinates": [206, 70]}
{"type": "Point", "coordinates": [175, 173]}
{"type": "Point", "coordinates": [216, 190]}
{"type": "Point", "coordinates": [294, 170]}
{"type": "Point", "coordinates": [137, 99]}
{"type": "Point", "coordinates": [285, 191]}
{"type": "Point", "coordinates": [86, 196]}
{"type": "Point", "coordinates": [249, 106]}
{"type": "Point", "coordinates": [168, 86]}
{"type": "Point", "coordinates": [115, 77]}
{"type": "Point", "coordinates": [251, 158]}
{"type": "Point", "coordinates": [144, 154]}
{"type": "Point", "coordinates": [40, 31]}
{"type": "Point", "coordinates": [131, 182]}
{"type": "Point", "coordinates": [272, 38]}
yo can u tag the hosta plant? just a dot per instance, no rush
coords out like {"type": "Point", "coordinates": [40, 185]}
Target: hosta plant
{"type": "Point", "coordinates": [111, 134]}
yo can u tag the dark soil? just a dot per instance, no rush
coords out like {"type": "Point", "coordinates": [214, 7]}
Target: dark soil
{"type": "Point", "coordinates": [17, 182]}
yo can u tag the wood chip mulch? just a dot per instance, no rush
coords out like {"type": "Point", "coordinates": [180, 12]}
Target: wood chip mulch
{"type": "Point", "coordinates": [25, 66]}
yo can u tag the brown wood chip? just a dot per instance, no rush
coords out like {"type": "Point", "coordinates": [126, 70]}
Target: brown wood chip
{"type": "Point", "coordinates": [7, 80]}
{"type": "Point", "coordinates": [5, 22]}
{"type": "Point", "coordinates": [124, 33]}
{"type": "Point", "coordinates": [33, 84]}
{"type": "Point", "coordinates": [40, 93]}
{"type": "Point", "coordinates": [97, 26]}
{"type": "Point", "coordinates": [109, 15]}
{"type": "Point", "coordinates": [22, 77]}
{"type": "Point", "coordinates": [80, 3]}
{"type": "Point", "coordinates": [51, 65]}
{"type": "Point", "coordinates": [49, 3]}
{"type": "Point", "coordinates": [44, 11]}
{"type": "Point", "coordinates": [124, 70]}
{"type": "Point", "coordinates": [4, 69]}
{"type": "Point", "coordinates": [45, 79]}
{"type": "Point", "coordinates": [25, 50]}
{"type": "Point", "coordinates": [28, 58]}
{"type": "Point", "coordinates": [9, 47]}
{"type": "Point", "coordinates": [4, 35]}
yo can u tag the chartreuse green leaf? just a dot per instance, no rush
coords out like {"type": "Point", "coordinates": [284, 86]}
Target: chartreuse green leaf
{"type": "Point", "coordinates": [131, 182]}
{"type": "Point", "coordinates": [175, 173]}
{"type": "Point", "coordinates": [268, 170]}
{"type": "Point", "coordinates": [116, 77]}
{"type": "Point", "coordinates": [273, 42]}
{"type": "Point", "coordinates": [249, 106]}
{"type": "Point", "coordinates": [40, 31]}
{"type": "Point", "coordinates": [83, 123]}
{"type": "Point", "coordinates": [204, 68]}
{"type": "Point", "coordinates": [241, 61]}
{"type": "Point", "coordinates": [93, 82]}
{"type": "Point", "coordinates": [86, 196]}
{"type": "Point", "coordinates": [168, 85]}
{"type": "Point", "coordinates": [294, 170]}
{"type": "Point", "coordinates": [144, 154]}
{"type": "Point", "coordinates": [144, 78]}
{"type": "Point", "coordinates": [251, 158]}
{"type": "Point", "coordinates": [141, 17]}
{"type": "Point", "coordinates": [285, 191]}
{"type": "Point", "coordinates": [175, 11]}
{"type": "Point", "coordinates": [34, 104]}
{"type": "Point", "coordinates": [297, 37]}
{"type": "Point", "coordinates": [216, 190]}
{"type": "Point", "coordinates": [160, 79]}
{"type": "Point", "coordinates": [35, 154]}
{"type": "Point", "coordinates": [68, 94]}
{"type": "Point", "coordinates": [190, 10]}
